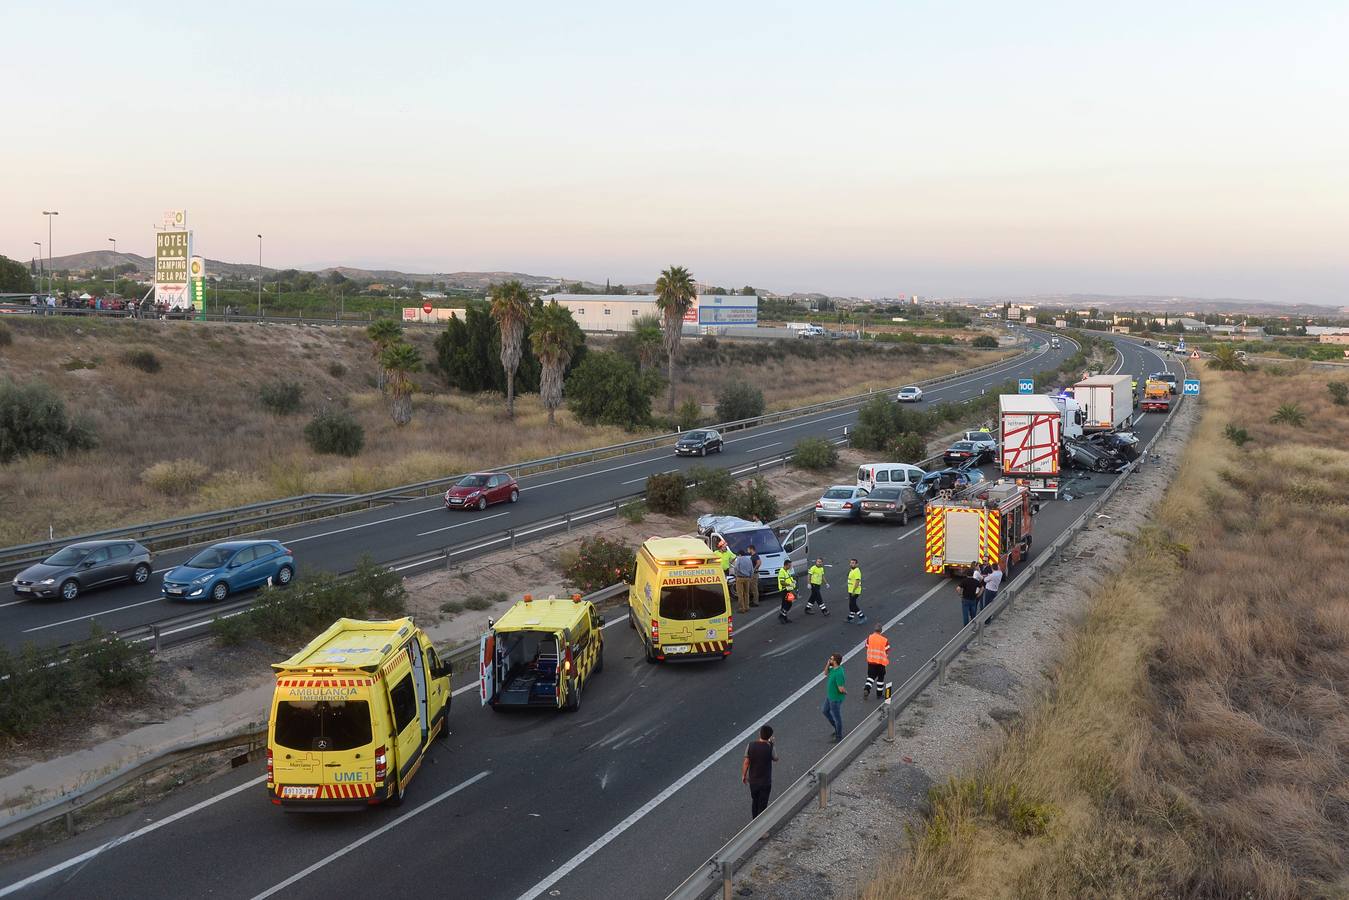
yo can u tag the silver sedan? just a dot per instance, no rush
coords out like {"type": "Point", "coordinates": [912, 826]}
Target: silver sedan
{"type": "Point", "coordinates": [842, 501]}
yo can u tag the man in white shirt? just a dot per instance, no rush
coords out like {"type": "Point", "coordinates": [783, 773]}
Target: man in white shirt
{"type": "Point", "coordinates": [992, 583]}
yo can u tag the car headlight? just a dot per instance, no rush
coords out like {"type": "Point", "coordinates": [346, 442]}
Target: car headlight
{"type": "Point", "coordinates": [48, 581]}
{"type": "Point", "coordinates": [201, 579]}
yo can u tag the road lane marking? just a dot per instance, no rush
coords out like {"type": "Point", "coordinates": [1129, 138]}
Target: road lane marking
{"type": "Point", "coordinates": [462, 524]}
{"type": "Point", "coordinates": [645, 477]}
{"type": "Point", "coordinates": [734, 743]}
{"type": "Point", "coordinates": [365, 839]}
{"type": "Point", "coordinates": [310, 537]}
{"type": "Point", "coordinates": [126, 838]}
{"type": "Point", "coordinates": [90, 616]}
{"type": "Point", "coordinates": [765, 447]}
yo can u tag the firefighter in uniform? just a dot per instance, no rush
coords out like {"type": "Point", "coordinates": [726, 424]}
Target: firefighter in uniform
{"type": "Point", "coordinates": [726, 555]}
{"type": "Point", "coordinates": [816, 576]}
{"type": "Point", "coordinates": [855, 613]}
{"type": "Point", "coordinates": [878, 657]}
{"type": "Point", "coordinates": [786, 584]}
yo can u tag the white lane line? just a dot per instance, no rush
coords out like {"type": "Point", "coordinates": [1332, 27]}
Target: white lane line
{"type": "Point", "coordinates": [102, 612]}
{"type": "Point", "coordinates": [640, 462]}
{"type": "Point", "coordinates": [310, 537]}
{"type": "Point", "coordinates": [734, 743]}
{"type": "Point", "coordinates": [765, 447]}
{"type": "Point", "coordinates": [365, 839]}
{"type": "Point", "coordinates": [12, 603]}
{"type": "Point", "coordinates": [644, 477]}
{"type": "Point", "coordinates": [126, 838]}
{"type": "Point", "coordinates": [462, 524]}
{"type": "Point", "coordinates": [755, 434]}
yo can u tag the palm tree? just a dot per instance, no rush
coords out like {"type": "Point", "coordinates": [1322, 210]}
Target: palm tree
{"type": "Point", "coordinates": [382, 334]}
{"type": "Point", "coordinates": [510, 308]}
{"type": "Point", "coordinates": [400, 360]}
{"type": "Point", "coordinates": [647, 335]}
{"type": "Point", "coordinates": [554, 337]}
{"type": "Point", "coordinates": [675, 293]}
{"type": "Point", "coordinates": [1225, 359]}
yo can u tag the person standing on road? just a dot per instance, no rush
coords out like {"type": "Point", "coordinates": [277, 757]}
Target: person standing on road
{"type": "Point", "coordinates": [787, 585]}
{"type": "Point", "coordinates": [757, 770]}
{"type": "Point", "coordinates": [757, 561]}
{"type": "Point", "coordinates": [968, 588]}
{"type": "Point", "coordinates": [878, 657]}
{"type": "Point", "coordinates": [992, 584]}
{"type": "Point", "coordinates": [726, 555]}
{"type": "Point", "coordinates": [855, 613]}
{"type": "Point", "coordinates": [834, 692]}
{"type": "Point", "coordinates": [816, 576]}
{"type": "Point", "coordinates": [744, 573]}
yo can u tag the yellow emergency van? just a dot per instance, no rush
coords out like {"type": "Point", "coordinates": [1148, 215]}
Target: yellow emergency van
{"type": "Point", "coordinates": [678, 603]}
{"type": "Point", "coordinates": [354, 714]}
{"type": "Point", "coordinates": [541, 653]}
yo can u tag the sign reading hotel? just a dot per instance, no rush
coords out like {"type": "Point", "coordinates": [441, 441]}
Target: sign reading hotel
{"type": "Point", "coordinates": [173, 250]}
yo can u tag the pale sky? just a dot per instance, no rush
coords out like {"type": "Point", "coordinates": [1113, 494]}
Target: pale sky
{"type": "Point", "coordinates": [1197, 148]}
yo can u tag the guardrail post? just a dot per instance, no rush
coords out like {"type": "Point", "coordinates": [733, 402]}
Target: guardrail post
{"type": "Point", "coordinates": [154, 630]}
{"type": "Point", "coordinates": [512, 533]}
{"type": "Point", "coordinates": [448, 557]}
{"type": "Point", "coordinates": [727, 880]}
{"type": "Point", "coordinates": [569, 523]}
{"type": "Point", "coordinates": [941, 670]}
{"type": "Point", "coordinates": [822, 780]}
{"type": "Point", "coordinates": [889, 712]}
{"type": "Point", "coordinates": [69, 818]}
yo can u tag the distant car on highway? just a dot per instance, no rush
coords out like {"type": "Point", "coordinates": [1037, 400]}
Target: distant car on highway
{"type": "Point", "coordinates": [74, 569]}
{"type": "Point", "coordinates": [892, 504]}
{"type": "Point", "coordinates": [985, 441]}
{"type": "Point", "coordinates": [699, 443]}
{"type": "Point", "coordinates": [224, 569]}
{"type": "Point", "coordinates": [842, 501]}
{"type": "Point", "coordinates": [911, 394]}
{"type": "Point", "coordinates": [481, 489]}
{"type": "Point", "coordinates": [961, 452]}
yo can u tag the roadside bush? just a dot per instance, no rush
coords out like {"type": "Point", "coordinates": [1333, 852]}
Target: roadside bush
{"type": "Point", "coordinates": [909, 447]}
{"type": "Point", "coordinates": [33, 420]}
{"type": "Point", "coordinates": [1289, 414]}
{"type": "Point", "coordinates": [607, 389]}
{"type": "Point", "coordinates": [814, 454]}
{"type": "Point", "coordinates": [599, 562]}
{"type": "Point", "coordinates": [689, 415]}
{"type": "Point", "coordinates": [475, 602]}
{"type": "Point", "coordinates": [1236, 435]}
{"type": "Point", "coordinates": [667, 493]}
{"type": "Point", "coordinates": [1339, 392]}
{"type": "Point", "coordinates": [634, 513]}
{"type": "Point", "coordinates": [713, 485]}
{"type": "Point", "coordinates": [985, 342]}
{"type": "Point", "coordinates": [6, 336]}
{"type": "Point", "coordinates": [46, 687]}
{"type": "Point", "coordinates": [176, 477]}
{"type": "Point", "coordinates": [336, 369]}
{"type": "Point", "coordinates": [753, 500]}
{"type": "Point", "coordinates": [145, 360]}
{"type": "Point", "coordinates": [282, 397]}
{"type": "Point", "coordinates": [709, 341]}
{"type": "Point", "coordinates": [739, 400]}
{"type": "Point", "coordinates": [881, 420]}
{"type": "Point", "coordinates": [335, 431]}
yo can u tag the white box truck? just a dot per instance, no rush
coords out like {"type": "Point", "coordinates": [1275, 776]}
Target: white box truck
{"type": "Point", "coordinates": [1107, 402]}
{"type": "Point", "coordinates": [1030, 428]}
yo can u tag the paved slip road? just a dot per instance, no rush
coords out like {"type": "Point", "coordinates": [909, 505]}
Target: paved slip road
{"type": "Point", "coordinates": [623, 798]}
{"type": "Point", "coordinates": [403, 529]}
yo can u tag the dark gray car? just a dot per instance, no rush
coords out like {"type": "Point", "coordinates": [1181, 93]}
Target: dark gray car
{"type": "Point", "coordinates": [79, 567]}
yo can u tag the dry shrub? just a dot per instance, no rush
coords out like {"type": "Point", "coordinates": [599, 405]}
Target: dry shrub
{"type": "Point", "coordinates": [177, 477]}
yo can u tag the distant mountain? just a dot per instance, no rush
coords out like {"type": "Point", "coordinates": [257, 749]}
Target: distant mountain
{"type": "Point", "coordinates": [1173, 305]}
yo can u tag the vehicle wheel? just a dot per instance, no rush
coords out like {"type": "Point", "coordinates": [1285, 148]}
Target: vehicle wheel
{"type": "Point", "coordinates": [904, 516]}
{"type": "Point", "coordinates": [141, 575]}
{"type": "Point", "coordinates": [702, 451]}
{"type": "Point", "coordinates": [444, 723]}
{"type": "Point", "coordinates": [650, 652]}
{"type": "Point", "coordinates": [219, 591]}
{"type": "Point", "coordinates": [515, 495]}
{"type": "Point", "coordinates": [599, 662]}
{"type": "Point", "coordinates": [573, 695]}
{"type": "Point", "coordinates": [482, 503]}
{"type": "Point", "coordinates": [396, 795]}
{"type": "Point", "coordinates": [70, 589]}
{"type": "Point", "coordinates": [284, 575]}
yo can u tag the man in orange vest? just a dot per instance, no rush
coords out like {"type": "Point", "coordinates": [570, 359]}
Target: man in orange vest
{"type": "Point", "coordinates": [878, 657]}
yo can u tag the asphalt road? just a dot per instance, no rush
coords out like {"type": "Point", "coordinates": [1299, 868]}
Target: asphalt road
{"type": "Point", "coordinates": [404, 529]}
{"type": "Point", "coordinates": [623, 798]}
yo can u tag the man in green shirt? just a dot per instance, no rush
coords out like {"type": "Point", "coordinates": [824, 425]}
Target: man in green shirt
{"type": "Point", "coordinates": [816, 575]}
{"type": "Point", "coordinates": [855, 613]}
{"type": "Point", "coordinates": [834, 692]}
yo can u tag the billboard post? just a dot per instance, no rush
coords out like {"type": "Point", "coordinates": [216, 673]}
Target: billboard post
{"type": "Point", "coordinates": [198, 270]}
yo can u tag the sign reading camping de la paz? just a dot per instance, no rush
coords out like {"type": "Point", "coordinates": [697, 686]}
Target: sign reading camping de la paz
{"type": "Point", "coordinates": [173, 250]}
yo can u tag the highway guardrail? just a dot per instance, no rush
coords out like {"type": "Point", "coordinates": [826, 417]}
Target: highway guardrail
{"type": "Point", "coordinates": [718, 873]}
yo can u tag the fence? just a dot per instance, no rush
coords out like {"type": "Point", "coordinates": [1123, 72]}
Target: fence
{"type": "Point", "coordinates": [167, 533]}
{"type": "Point", "coordinates": [719, 871]}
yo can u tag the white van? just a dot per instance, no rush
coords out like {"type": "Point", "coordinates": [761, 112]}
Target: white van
{"type": "Point", "coordinates": [886, 474]}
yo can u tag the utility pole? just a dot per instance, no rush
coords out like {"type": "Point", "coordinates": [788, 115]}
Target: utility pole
{"type": "Point", "coordinates": [49, 248]}
{"type": "Point", "coordinates": [41, 267]}
{"type": "Point", "coordinates": [114, 264]}
{"type": "Point", "coordinates": [259, 276]}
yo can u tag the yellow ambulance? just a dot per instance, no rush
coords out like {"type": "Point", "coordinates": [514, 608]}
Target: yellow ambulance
{"type": "Point", "coordinates": [678, 603]}
{"type": "Point", "coordinates": [541, 653]}
{"type": "Point", "coordinates": [354, 714]}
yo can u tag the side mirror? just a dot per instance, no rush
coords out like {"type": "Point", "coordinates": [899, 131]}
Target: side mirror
{"type": "Point", "coordinates": [1035, 509]}
{"type": "Point", "coordinates": [601, 621]}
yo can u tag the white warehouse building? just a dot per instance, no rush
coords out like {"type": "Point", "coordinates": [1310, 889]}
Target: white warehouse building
{"type": "Point", "coordinates": [617, 312]}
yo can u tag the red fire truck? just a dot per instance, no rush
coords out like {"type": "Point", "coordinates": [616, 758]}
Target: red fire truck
{"type": "Point", "coordinates": [982, 524]}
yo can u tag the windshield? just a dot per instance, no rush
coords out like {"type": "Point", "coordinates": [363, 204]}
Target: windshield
{"type": "Point", "coordinates": [67, 557]}
{"type": "Point", "coordinates": [690, 602]}
{"type": "Point", "coordinates": [210, 558]}
{"type": "Point", "coordinates": [472, 481]}
{"type": "Point", "coordinates": [962, 445]}
{"type": "Point", "coordinates": [835, 494]}
{"type": "Point", "coordinates": [696, 436]}
{"type": "Point", "coordinates": [909, 390]}
{"type": "Point", "coordinates": [323, 724]}
{"type": "Point", "coordinates": [884, 494]}
{"type": "Point", "coordinates": [763, 539]}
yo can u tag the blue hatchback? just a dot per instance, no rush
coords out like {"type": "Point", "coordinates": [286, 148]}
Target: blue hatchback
{"type": "Point", "coordinates": [224, 569]}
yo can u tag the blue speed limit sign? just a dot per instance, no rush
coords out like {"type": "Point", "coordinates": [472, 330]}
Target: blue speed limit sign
{"type": "Point", "coordinates": [1192, 386]}
{"type": "Point", "coordinates": [1025, 386]}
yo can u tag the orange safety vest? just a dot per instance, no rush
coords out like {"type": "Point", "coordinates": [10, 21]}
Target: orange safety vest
{"type": "Point", "coordinates": [878, 649]}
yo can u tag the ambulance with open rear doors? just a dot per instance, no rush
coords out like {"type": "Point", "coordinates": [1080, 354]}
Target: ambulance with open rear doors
{"type": "Point", "coordinates": [541, 653]}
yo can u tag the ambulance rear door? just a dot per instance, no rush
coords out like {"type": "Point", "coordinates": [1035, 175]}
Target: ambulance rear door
{"type": "Point", "coordinates": [487, 650]}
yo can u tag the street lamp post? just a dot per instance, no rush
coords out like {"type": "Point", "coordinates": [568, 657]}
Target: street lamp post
{"type": "Point", "coordinates": [114, 264]}
{"type": "Point", "coordinates": [41, 269]}
{"type": "Point", "coordinates": [49, 248]}
{"type": "Point", "coordinates": [259, 276]}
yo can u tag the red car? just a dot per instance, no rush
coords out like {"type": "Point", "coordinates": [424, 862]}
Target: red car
{"type": "Point", "coordinates": [481, 489]}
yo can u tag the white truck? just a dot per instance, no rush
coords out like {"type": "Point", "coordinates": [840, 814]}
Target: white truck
{"type": "Point", "coordinates": [1107, 402]}
{"type": "Point", "coordinates": [1030, 428]}
{"type": "Point", "coordinates": [1071, 428]}
{"type": "Point", "coordinates": [805, 329]}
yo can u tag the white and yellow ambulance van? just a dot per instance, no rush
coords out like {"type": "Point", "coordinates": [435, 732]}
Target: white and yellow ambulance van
{"type": "Point", "coordinates": [678, 603]}
{"type": "Point", "coordinates": [354, 714]}
{"type": "Point", "coordinates": [541, 653]}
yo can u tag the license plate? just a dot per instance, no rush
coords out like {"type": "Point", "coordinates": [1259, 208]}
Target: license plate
{"type": "Point", "coordinates": [455, 501]}
{"type": "Point", "coordinates": [21, 589]}
{"type": "Point", "coordinates": [876, 515]}
{"type": "Point", "coordinates": [677, 648]}
{"type": "Point", "coordinates": [173, 590]}
{"type": "Point", "coordinates": [300, 792]}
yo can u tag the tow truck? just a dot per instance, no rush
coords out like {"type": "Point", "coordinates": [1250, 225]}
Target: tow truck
{"type": "Point", "coordinates": [1156, 396]}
